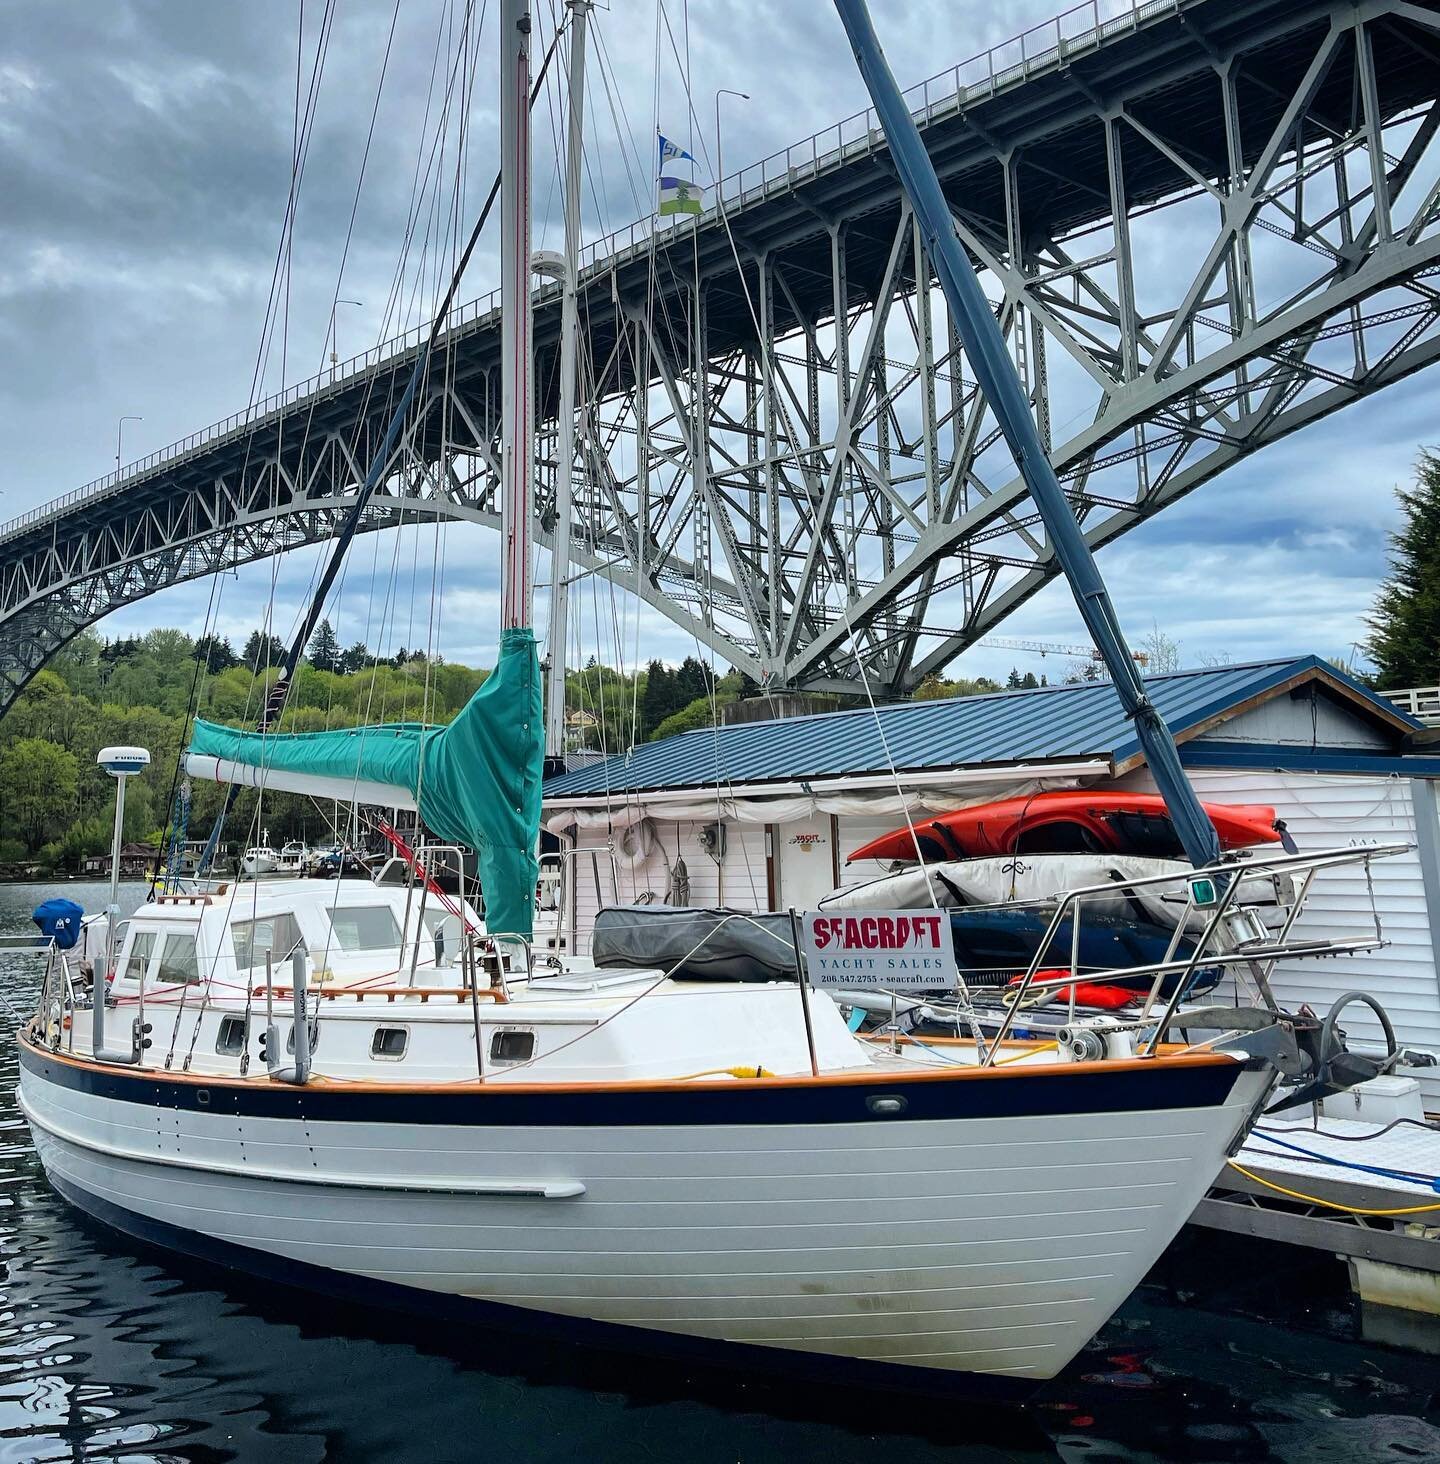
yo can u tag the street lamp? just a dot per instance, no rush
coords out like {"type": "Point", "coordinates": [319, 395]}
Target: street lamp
{"type": "Point", "coordinates": [724, 91]}
{"type": "Point", "coordinates": [120, 763]}
{"type": "Point", "coordinates": [335, 334]}
{"type": "Point", "coordinates": [119, 432]}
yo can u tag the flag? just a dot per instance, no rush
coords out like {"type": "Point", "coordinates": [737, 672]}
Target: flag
{"type": "Point", "coordinates": [680, 196]}
{"type": "Point", "coordinates": [672, 152]}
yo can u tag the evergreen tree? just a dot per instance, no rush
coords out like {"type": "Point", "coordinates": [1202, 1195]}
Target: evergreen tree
{"type": "Point", "coordinates": [1028, 682]}
{"type": "Point", "coordinates": [357, 658]}
{"type": "Point", "coordinates": [1013, 681]}
{"type": "Point", "coordinates": [262, 651]}
{"type": "Point", "coordinates": [660, 698]}
{"type": "Point", "coordinates": [693, 680]}
{"type": "Point", "coordinates": [324, 650]}
{"type": "Point", "coordinates": [214, 653]}
{"type": "Point", "coordinates": [1405, 624]}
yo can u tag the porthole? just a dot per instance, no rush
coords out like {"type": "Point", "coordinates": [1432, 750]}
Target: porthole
{"type": "Point", "coordinates": [230, 1040]}
{"type": "Point", "coordinates": [511, 1045]}
{"type": "Point", "coordinates": [388, 1044]}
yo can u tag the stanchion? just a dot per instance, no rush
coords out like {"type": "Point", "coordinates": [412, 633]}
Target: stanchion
{"type": "Point", "coordinates": [804, 991]}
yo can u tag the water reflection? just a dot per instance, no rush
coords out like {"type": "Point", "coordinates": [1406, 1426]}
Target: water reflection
{"type": "Point", "coordinates": [109, 1351]}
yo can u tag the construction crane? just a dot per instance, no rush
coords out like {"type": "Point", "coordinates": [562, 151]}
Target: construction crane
{"type": "Point", "coordinates": [1054, 648]}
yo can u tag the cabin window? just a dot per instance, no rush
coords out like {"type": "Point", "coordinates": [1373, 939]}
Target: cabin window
{"type": "Point", "coordinates": [277, 935]}
{"type": "Point", "coordinates": [511, 1045]}
{"type": "Point", "coordinates": [137, 958]}
{"type": "Point", "coordinates": [389, 1043]}
{"type": "Point", "coordinates": [178, 964]}
{"type": "Point", "coordinates": [314, 1036]}
{"type": "Point", "coordinates": [365, 927]}
{"type": "Point", "coordinates": [230, 1041]}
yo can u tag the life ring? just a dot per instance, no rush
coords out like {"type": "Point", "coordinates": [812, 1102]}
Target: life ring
{"type": "Point", "coordinates": [634, 844]}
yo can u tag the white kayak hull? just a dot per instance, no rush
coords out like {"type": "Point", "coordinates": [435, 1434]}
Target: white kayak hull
{"type": "Point", "coordinates": [1037, 879]}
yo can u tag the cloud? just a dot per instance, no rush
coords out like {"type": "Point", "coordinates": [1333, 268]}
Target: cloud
{"type": "Point", "coordinates": [145, 162]}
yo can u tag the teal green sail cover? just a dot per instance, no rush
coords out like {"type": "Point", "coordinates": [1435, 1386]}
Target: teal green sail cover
{"type": "Point", "coordinates": [475, 782]}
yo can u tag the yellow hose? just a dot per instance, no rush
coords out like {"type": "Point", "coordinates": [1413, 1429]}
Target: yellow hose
{"type": "Point", "coordinates": [1033, 1052]}
{"type": "Point", "coordinates": [1328, 1204]}
{"type": "Point", "coordinates": [730, 1072]}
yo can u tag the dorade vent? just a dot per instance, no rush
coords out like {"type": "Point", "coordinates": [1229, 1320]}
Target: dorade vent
{"type": "Point", "coordinates": [388, 1044]}
{"type": "Point", "coordinates": [230, 1040]}
{"type": "Point", "coordinates": [511, 1045]}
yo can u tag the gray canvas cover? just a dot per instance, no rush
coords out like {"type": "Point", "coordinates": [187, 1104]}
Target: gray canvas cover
{"type": "Point", "coordinates": [694, 944]}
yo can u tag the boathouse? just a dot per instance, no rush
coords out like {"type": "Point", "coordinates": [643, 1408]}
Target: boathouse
{"type": "Point", "coordinates": [764, 815]}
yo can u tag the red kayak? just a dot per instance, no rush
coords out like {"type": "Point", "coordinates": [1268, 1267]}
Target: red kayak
{"type": "Point", "coordinates": [1069, 821]}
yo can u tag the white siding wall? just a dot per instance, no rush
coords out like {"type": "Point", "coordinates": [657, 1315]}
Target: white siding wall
{"type": "Point", "coordinates": [856, 830]}
{"type": "Point", "coordinates": [1324, 811]}
{"type": "Point", "coordinates": [1301, 724]}
{"type": "Point", "coordinates": [739, 880]}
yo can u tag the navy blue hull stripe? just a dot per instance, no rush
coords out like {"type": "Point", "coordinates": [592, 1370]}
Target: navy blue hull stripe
{"type": "Point", "coordinates": [572, 1331]}
{"type": "Point", "coordinates": [1146, 1087]}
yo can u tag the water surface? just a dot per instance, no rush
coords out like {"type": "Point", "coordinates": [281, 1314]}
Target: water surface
{"type": "Point", "coordinates": [1232, 1351]}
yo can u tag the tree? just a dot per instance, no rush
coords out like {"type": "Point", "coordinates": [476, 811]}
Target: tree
{"type": "Point", "coordinates": [699, 713]}
{"type": "Point", "coordinates": [1161, 652]}
{"type": "Point", "coordinates": [1405, 624]}
{"type": "Point", "coordinates": [262, 651]}
{"type": "Point", "coordinates": [660, 697]}
{"type": "Point", "coordinates": [1013, 681]}
{"type": "Point", "coordinates": [693, 680]}
{"type": "Point", "coordinates": [214, 653]}
{"type": "Point", "coordinates": [357, 658]}
{"type": "Point", "coordinates": [324, 652]}
{"type": "Point", "coordinates": [934, 689]}
{"type": "Point", "coordinates": [37, 788]}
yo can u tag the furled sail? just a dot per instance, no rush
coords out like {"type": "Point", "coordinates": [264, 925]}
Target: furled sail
{"type": "Point", "coordinates": [474, 782]}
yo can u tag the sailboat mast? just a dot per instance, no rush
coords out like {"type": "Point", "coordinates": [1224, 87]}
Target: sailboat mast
{"type": "Point", "coordinates": [995, 372]}
{"type": "Point", "coordinates": [565, 445]}
{"type": "Point", "coordinates": [516, 390]}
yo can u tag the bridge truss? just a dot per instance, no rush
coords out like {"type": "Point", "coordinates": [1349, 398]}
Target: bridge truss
{"type": "Point", "coordinates": [1202, 229]}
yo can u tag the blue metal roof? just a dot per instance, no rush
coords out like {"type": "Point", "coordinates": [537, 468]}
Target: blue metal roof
{"type": "Point", "coordinates": [1051, 723]}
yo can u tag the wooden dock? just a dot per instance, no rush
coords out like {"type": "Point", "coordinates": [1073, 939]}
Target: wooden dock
{"type": "Point", "coordinates": [1367, 1193]}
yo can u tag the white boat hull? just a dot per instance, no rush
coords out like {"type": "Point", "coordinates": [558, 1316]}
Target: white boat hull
{"type": "Point", "coordinates": [976, 1245]}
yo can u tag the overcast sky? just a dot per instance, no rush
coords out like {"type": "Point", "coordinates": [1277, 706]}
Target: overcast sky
{"type": "Point", "coordinates": [145, 156]}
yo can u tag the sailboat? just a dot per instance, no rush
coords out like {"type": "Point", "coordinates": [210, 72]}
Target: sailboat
{"type": "Point", "coordinates": [713, 1170]}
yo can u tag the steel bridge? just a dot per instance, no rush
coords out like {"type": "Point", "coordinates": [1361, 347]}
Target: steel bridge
{"type": "Point", "coordinates": [1203, 225]}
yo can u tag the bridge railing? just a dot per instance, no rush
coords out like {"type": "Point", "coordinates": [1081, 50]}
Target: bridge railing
{"type": "Point", "coordinates": [1422, 702]}
{"type": "Point", "coordinates": [1047, 45]}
